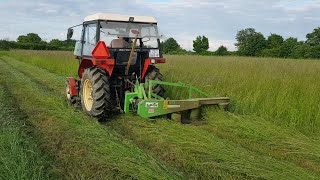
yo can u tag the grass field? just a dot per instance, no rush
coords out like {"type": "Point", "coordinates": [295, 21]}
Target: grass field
{"type": "Point", "coordinates": [271, 131]}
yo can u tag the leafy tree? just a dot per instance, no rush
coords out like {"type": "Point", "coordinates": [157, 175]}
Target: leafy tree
{"type": "Point", "coordinates": [70, 42]}
{"type": "Point", "coordinates": [302, 50]}
{"type": "Point", "coordinates": [4, 45]}
{"type": "Point", "coordinates": [29, 38]}
{"type": "Point", "coordinates": [273, 52]}
{"type": "Point", "coordinates": [288, 47]}
{"type": "Point", "coordinates": [313, 39]}
{"type": "Point", "coordinates": [56, 42]}
{"type": "Point", "coordinates": [62, 45]}
{"type": "Point", "coordinates": [170, 46]}
{"type": "Point", "coordinates": [201, 44]}
{"type": "Point", "coordinates": [250, 42]}
{"type": "Point", "coordinates": [22, 39]}
{"type": "Point", "coordinates": [274, 41]}
{"type": "Point", "coordinates": [314, 52]}
{"type": "Point", "coordinates": [221, 51]}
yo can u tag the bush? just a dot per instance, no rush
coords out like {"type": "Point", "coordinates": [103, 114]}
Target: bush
{"type": "Point", "coordinates": [222, 51]}
{"type": "Point", "coordinates": [274, 52]}
{"type": "Point", "coordinates": [314, 52]}
{"type": "Point", "coordinates": [4, 45]}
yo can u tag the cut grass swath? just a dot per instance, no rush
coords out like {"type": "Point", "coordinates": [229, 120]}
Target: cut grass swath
{"type": "Point", "coordinates": [20, 156]}
{"type": "Point", "coordinates": [83, 148]}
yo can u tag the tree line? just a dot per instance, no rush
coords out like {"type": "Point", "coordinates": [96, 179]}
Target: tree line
{"type": "Point", "coordinates": [33, 41]}
{"type": "Point", "coordinates": [252, 43]}
{"type": "Point", "coordinates": [249, 42]}
{"type": "Point", "coordinates": [200, 46]}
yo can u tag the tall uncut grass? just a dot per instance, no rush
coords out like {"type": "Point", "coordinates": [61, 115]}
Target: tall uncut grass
{"type": "Point", "coordinates": [283, 91]}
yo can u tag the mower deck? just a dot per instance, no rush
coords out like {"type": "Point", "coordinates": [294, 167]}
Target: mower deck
{"type": "Point", "coordinates": [150, 105]}
{"type": "Point", "coordinates": [153, 108]}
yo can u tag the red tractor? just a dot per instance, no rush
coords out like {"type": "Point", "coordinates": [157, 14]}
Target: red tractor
{"type": "Point", "coordinates": [114, 52]}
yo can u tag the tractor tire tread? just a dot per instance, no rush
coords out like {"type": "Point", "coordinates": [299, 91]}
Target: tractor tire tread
{"type": "Point", "coordinates": [154, 74]}
{"type": "Point", "coordinates": [101, 93]}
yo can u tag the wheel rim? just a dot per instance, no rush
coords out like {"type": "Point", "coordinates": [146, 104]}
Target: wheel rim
{"type": "Point", "coordinates": [87, 94]}
{"type": "Point", "coordinates": [68, 92]}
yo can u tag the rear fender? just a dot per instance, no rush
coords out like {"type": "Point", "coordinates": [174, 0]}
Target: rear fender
{"type": "Point", "coordinates": [149, 62]}
{"type": "Point", "coordinates": [85, 63]}
{"type": "Point", "coordinates": [106, 64]}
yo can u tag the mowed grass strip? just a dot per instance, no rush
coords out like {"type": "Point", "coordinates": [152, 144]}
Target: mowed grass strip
{"type": "Point", "coordinates": [262, 136]}
{"type": "Point", "coordinates": [196, 150]}
{"type": "Point", "coordinates": [20, 156]}
{"type": "Point", "coordinates": [204, 155]}
{"type": "Point", "coordinates": [83, 148]}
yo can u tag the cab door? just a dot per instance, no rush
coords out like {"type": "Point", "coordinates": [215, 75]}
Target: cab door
{"type": "Point", "coordinates": [89, 40]}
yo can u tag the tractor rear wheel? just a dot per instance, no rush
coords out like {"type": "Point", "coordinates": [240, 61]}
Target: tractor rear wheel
{"type": "Point", "coordinates": [154, 74]}
{"type": "Point", "coordinates": [95, 93]}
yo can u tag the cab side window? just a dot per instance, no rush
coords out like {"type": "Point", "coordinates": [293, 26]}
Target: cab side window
{"type": "Point", "coordinates": [90, 39]}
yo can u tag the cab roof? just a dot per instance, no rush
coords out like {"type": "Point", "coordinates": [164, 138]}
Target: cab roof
{"type": "Point", "coordinates": [119, 17]}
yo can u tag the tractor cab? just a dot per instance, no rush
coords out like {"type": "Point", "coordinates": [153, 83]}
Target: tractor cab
{"type": "Point", "coordinates": [118, 33]}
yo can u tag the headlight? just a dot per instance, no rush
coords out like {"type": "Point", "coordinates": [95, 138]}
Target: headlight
{"type": "Point", "coordinates": [153, 53]}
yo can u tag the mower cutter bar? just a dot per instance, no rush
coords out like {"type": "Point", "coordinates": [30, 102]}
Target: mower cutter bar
{"type": "Point", "coordinates": [148, 105]}
{"type": "Point", "coordinates": [153, 107]}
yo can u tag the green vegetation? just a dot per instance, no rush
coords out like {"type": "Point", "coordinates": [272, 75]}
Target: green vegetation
{"type": "Point", "coordinates": [313, 38]}
{"type": "Point", "coordinates": [171, 46]}
{"type": "Point", "coordinates": [271, 132]}
{"type": "Point", "coordinates": [20, 156]}
{"type": "Point", "coordinates": [222, 51]}
{"type": "Point", "coordinates": [82, 148]}
{"type": "Point", "coordinates": [252, 43]}
{"type": "Point", "coordinates": [249, 43]}
{"type": "Point", "coordinates": [201, 45]}
{"type": "Point", "coordinates": [34, 42]}
{"type": "Point", "coordinates": [285, 92]}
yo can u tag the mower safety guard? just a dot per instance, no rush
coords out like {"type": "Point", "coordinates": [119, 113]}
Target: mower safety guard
{"type": "Point", "coordinates": [150, 105]}
{"type": "Point", "coordinates": [191, 89]}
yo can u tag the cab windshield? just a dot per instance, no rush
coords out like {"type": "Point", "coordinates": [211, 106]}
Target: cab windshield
{"type": "Point", "coordinates": [148, 33]}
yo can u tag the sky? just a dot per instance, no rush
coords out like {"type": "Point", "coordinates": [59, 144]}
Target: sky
{"type": "Point", "coordinates": [184, 20]}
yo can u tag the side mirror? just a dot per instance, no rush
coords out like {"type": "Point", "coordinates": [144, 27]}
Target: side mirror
{"type": "Point", "coordinates": [162, 36]}
{"type": "Point", "coordinates": [70, 33]}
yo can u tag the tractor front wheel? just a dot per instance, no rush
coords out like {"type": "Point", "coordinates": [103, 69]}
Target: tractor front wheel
{"type": "Point", "coordinates": [72, 100]}
{"type": "Point", "coordinates": [154, 74]}
{"type": "Point", "coordinates": [95, 93]}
